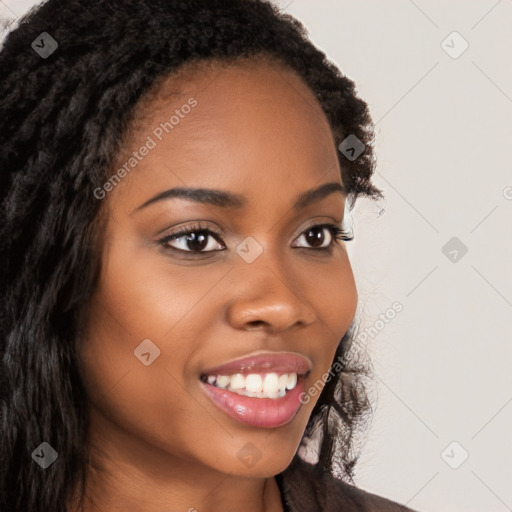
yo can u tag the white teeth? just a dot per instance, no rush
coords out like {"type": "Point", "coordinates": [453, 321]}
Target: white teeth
{"type": "Point", "coordinates": [292, 381]}
{"type": "Point", "coordinates": [237, 381]}
{"type": "Point", "coordinates": [253, 383]}
{"type": "Point", "coordinates": [269, 385]}
{"type": "Point", "coordinates": [223, 381]}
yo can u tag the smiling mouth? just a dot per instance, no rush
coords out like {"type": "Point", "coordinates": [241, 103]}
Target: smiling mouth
{"type": "Point", "coordinates": [255, 385]}
{"type": "Point", "coordinates": [267, 408]}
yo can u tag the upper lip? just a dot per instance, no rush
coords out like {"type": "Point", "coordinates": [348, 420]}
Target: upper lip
{"type": "Point", "coordinates": [269, 362]}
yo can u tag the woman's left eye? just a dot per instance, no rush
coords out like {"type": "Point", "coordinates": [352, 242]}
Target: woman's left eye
{"type": "Point", "coordinates": [198, 239]}
{"type": "Point", "coordinates": [315, 236]}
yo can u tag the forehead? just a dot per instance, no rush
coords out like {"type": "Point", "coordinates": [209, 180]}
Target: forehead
{"type": "Point", "coordinates": [252, 123]}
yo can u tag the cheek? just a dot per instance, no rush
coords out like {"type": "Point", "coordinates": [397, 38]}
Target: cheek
{"type": "Point", "coordinates": [146, 295]}
{"type": "Point", "coordinates": [334, 296]}
{"type": "Point", "coordinates": [335, 303]}
{"type": "Point", "coordinates": [142, 298]}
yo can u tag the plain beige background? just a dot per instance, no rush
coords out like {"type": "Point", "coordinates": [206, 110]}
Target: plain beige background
{"type": "Point", "coordinates": [444, 126]}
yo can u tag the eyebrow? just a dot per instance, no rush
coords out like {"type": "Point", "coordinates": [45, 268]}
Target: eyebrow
{"type": "Point", "coordinates": [229, 200]}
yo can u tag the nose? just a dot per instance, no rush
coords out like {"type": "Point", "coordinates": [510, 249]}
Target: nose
{"type": "Point", "coordinates": [267, 298]}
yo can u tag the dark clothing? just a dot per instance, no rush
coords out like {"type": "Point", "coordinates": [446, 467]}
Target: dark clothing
{"type": "Point", "coordinates": [306, 489]}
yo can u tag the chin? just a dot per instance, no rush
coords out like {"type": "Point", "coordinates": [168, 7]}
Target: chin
{"type": "Point", "coordinates": [262, 456]}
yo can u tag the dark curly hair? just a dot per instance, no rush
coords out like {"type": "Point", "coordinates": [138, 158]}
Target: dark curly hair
{"type": "Point", "coordinates": [63, 119]}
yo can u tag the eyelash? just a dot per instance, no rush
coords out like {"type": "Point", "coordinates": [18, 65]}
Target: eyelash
{"type": "Point", "coordinates": [337, 233]}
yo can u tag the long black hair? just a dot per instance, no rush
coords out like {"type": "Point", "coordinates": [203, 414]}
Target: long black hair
{"type": "Point", "coordinates": [65, 105]}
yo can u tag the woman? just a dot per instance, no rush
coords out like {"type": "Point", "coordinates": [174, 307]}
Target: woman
{"type": "Point", "coordinates": [178, 304]}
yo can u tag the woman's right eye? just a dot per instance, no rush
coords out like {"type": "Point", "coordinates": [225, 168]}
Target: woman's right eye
{"type": "Point", "coordinates": [195, 239]}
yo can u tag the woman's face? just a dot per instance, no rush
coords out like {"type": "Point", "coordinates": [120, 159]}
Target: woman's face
{"type": "Point", "coordinates": [165, 312]}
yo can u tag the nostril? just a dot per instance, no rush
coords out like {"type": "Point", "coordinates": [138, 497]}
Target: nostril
{"type": "Point", "coordinates": [256, 323]}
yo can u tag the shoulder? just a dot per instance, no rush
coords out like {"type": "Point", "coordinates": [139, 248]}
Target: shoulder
{"type": "Point", "coordinates": [360, 499]}
{"type": "Point", "coordinates": [307, 488]}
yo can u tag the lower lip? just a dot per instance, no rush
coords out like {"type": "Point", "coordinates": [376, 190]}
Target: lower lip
{"type": "Point", "coordinates": [258, 412]}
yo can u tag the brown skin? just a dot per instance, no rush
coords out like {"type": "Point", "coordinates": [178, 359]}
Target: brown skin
{"type": "Point", "coordinates": [157, 441]}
